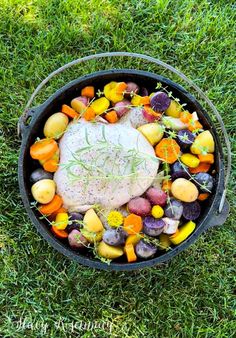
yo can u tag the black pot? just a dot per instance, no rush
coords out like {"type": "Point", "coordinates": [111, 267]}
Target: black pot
{"type": "Point", "coordinates": [34, 128]}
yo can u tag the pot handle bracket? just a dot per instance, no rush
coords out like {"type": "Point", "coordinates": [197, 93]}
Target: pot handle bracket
{"type": "Point", "coordinates": [218, 218]}
{"type": "Point", "coordinates": [29, 113]}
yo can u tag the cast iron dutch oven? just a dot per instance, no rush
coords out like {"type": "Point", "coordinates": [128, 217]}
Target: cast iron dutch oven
{"type": "Point", "coordinates": [29, 131]}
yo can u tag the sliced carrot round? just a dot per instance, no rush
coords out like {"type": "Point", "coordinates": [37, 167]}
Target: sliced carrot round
{"type": "Point", "coordinates": [43, 149]}
{"type": "Point", "coordinates": [133, 224]}
{"type": "Point", "coordinates": [59, 233]}
{"type": "Point", "coordinates": [69, 111]}
{"type": "Point", "coordinates": [168, 150]}
{"type": "Point", "coordinates": [201, 168]}
{"type": "Point", "coordinates": [51, 207]}
{"type": "Point", "coordinates": [51, 165]}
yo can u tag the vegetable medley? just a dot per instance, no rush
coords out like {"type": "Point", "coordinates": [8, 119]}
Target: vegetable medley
{"type": "Point", "coordinates": [167, 213]}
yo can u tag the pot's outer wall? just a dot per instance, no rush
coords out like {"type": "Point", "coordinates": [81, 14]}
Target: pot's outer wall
{"type": "Point", "coordinates": [63, 96]}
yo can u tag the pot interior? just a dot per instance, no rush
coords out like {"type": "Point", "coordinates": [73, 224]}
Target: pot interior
{"type": "Point", "coordinates": [64, 96]}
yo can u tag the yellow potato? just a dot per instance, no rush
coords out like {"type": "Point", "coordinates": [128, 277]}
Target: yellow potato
{"type": "Point", "coordinates": [55, 125]}
{"type": "Point", "coordinates": [92, 221]}
{"type": "Point", "coordinates": [184, 190]}
{"type": "Point", "coordinates": [190, 160]}
{"type": "Point", "coordinates": [100, 105]}
{"type": "Point", "coordinates": [107, 89]}
{"type": "Point", "coordinates": [108, 251]}
{"type": "Point", "coordinates": [174, 109]}
{"type": "Point", "coordinates": [152, 131]}
{"type": "Point", "coordinates": [203, 143]}
{"type": "Point", "coordinates": [62, 220]}
{"type": "Point", "coordinates": [43, 191]}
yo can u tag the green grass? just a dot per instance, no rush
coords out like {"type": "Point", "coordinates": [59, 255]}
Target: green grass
{"type": "Point", "coordinates": [192, 295]}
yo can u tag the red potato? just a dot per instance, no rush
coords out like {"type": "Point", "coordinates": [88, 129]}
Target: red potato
{"type": "Point", "coordinates": [83, 99]}
{"type": "Point", "coordinates": [132, 87]}
{"type": "Point", "coordinates": [139, 206]}
{"type": "Point", "coordinates": [156, 196]}
{"type": "Point", "coordinates": [122, 107]}
{"type": "Point", "coordinates": [77, 240]}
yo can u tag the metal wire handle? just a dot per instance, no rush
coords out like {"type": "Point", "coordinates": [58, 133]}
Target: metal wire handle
{"type": "Point", "coordinates": [159, 63]}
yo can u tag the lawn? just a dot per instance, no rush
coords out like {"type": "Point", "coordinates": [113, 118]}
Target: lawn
{"type": "Point", "coordinates": [44, 294]}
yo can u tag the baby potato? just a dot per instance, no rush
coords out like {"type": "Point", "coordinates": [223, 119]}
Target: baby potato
{"type": "Point", "coordinates": [55, 125]}
{"type": "Point", "coordinates": [43, 191]}
{"type": "Point", "coordinates": [184, 190]}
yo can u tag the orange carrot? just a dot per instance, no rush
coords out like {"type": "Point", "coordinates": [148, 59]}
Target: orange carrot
{"type": "Point", "coordinates": [89, 114]}
{"type": "Point", "coordinates": [130, 253]}
{"type": "Point", "coordinates": [43, 149]}
{"type": "Point", "coordinates": [51, 165]}
{"type": "Point", "coordinates": [166, 185]}
{"type": "Point", "coordinates": [59, 233]}
{"type": "Point", "coordinates": [208, 158]}
{"type": "Point", "coordinates": [88, 92]}
{"type": "Point", "coordinates": [185, 116]}
{"type": "Point", "coordinates": [193, 125]}
{"type": "Point", "coordinates": [133, 224]}
{"type": "Point", "coordinates": [121, 87]}
{"type": "Point", "coordinates": [168, 150]}
{"type": "Point", "coordinates": [145, 100]}
{"type": "Point", "coordinates": [203, 196]}
{"type": "Point", "coordinates": [111, 116]}
{"type": "Point", "coordinates": [69, 111]}
{"type": "Point", "coordinates": [201, 168]}
{"type": "Point", "coordinates": [52, 206]}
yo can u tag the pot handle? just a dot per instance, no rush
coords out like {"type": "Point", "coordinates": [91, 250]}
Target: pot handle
{"type": "Point", "coordinates": [26, 113]}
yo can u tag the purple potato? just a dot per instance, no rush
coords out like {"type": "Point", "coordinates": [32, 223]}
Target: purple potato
{"type": "Point", "coordinates": [191, 211]}
{"type": "Point", "coordinates": [75, 221]}
{"type": "Point", "coordinates": [76, 240]}
{"type": "Point", "coordinates": [160, 101]}
{"type": "Point", "coordinates": [204, 181]}
{"type": "Point", "coordinates": [185, 139]}
{"type": "Point", "coordinates": [179, 170]}
{"type": "Point", "coordinates": [113, 237]}
{"type": "Point", "coordinates": [145, 250]}
{"type": "Point", "coordinates": [139, 206]}
{"type": "Point", "coordinates": [174, 209]}
{"type": "Point", "coordinates": [143, 91]}
{"type": "Point", "coordinates": [152, 226]}
{"type": "Point", "coordinates": [40, 174]}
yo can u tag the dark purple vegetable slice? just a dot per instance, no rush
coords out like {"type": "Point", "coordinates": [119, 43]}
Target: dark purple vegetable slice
{"type": "Point", "coordinates": [152, 226]}
{"type": "Point", "coordinates": [174, 209]}
{"type": "Point", "coordinates": [75, 219]}
{"type": "Point", "coordinates": [179, 170]}
{"type": "Point", "coordinates": [191, 211]}
{"type": "Point", "coordinates": [143, 91]}
{"type": "Point", "coordinates": [40, 174]}
{"type": "Point", "coordinates": [185, 139]}
{"type": "Point", "coordinates": [204, 181]}
{"type": "Point", "coordinates": [145, 250]}
{"type": "Point", "coordinates": [160, 101]}
{"type": "Point", "coordinates": [113, 237]}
